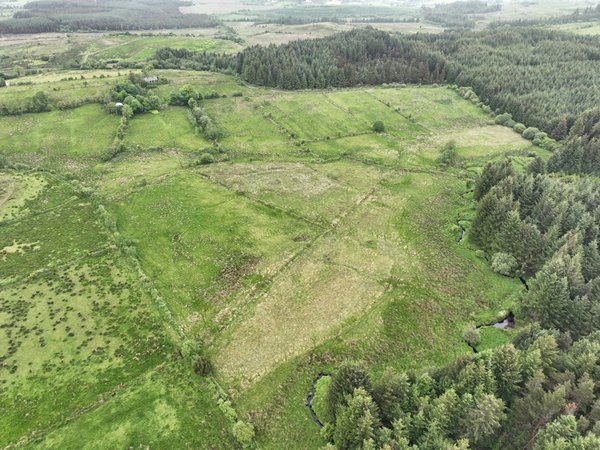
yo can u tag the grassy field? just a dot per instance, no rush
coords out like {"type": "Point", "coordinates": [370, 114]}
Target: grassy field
{"type": "Point", "coordinates": [583, 28]}
{"type": "Point", "coordinates": [139, 48]}
{"type": "Point", "coordinates": [313, 241]}
{"type": "Point", "coordinates": [168, 129]}
{"type": "Point", "coordinates": [58, 139]}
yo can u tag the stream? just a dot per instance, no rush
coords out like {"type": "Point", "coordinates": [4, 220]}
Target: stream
{"type": "Point", "coordinates": [462, 233]}
{"type": "Point", "coordinates": [507, 322]}
{"type": "Point", "coordinates": [310, 397]}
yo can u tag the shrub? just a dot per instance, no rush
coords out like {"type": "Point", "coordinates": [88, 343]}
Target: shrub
{"type": "Point", "coordinates": [504, 264]}
{"type": "Point", "coordinates": [505, 119]}
{"type": "Point", "coordinates": [529, 133]}
{"type": "Point", "coordinates": [227, 409]}
{"type": "Point", "coordinates": [448, 157]}
{"type": "Point", "coordinates": [472, 336]}
{"type": "Point", "coordinates": [207, 158]}
{"type": "Point", "coordinates": [378, 126]}
{"type": "Point", "coordinates": [211, 132]}
{"type": "Point", "coordinates": [519, 128]}
{"type": "Point", "coordinates": [203, 366]}
{"type": "Point", "coordinates": [243, 433]}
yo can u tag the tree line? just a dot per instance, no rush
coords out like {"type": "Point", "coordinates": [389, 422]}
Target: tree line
{"type": "Point", "coordinates": [545, 79]}
{"type": "Point", "coordinates": [345, 59]}
{"type": "Point", "coordinates": [591, 13]}
{"type": "Point", "coordinates": [457, 14]}
{"type": "Point", "coordinates": [538, 392]}
{"type": "Point", "coordinates": [45, 16]}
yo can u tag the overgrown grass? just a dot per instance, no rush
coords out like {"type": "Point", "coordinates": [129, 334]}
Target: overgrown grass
{"type": "Point", "coordinates": [169, 129]}
{"type": "Point", "coordinates": [60, 140]}
{"type": "Point", "coordinates": [314, 241]}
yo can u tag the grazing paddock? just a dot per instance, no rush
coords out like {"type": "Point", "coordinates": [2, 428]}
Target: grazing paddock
{"type": "Point", "coordinates": [308, 240]}
{"type": "Point", "coordinates": [169, 129]}
{"type": "Point", "coordinates": [52, 138]}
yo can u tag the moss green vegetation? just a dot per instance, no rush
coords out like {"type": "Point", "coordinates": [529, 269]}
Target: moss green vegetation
{"type": "Point", "coordinates": [58, 137]}
{"type": "Point", "coordinates": [139, 48]}
{"type": "Point", "coordinates": [492, 337]}
{"type": "Point", "coordinates": [312, 240]}
{"type": "Point", "coordinates": [319, 404]}
{"type": "Point", "coordinates": [169, 128]}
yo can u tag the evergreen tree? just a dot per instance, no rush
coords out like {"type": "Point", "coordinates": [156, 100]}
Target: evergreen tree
{"type": "Point", "coordinates": [506, 367]}
{"type": "Point", "coordinates": [392, 393]}
{"type": "Point", "coordinates": [357, 421]}
{"type": "Point", "coordinates": [485, 418]}
{"type": "Point", "coordinates": [343, 383]}
{"type": "Point", "coordinates": [547, 300]}
{"type": "Point", "coordinates": [492, 175]}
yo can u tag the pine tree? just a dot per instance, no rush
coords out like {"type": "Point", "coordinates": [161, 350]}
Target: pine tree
{"type": "Point", "coordinates": [392, 395]}
{"type": "Point", "coordinates": [492, 175]}
{"type": "Point", "coordinates": [561, 129]}
{"type": "Point", "coordinates": [343, 383]}
{"type": "Point", "coordinates": [492, 211]}
{"type": "Point", "coordinates": [357, 421]}
{"type": "Point", "coordinates": [507, 371]}
{"type": "Point", "coordinates": [537, 166]}
{"type": "Point", "coordinates": [547, 300]}
{"type": "Point", "coordinates": [485, 418]}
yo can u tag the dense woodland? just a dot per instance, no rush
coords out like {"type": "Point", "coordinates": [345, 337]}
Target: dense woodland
{"type": "Point", "coordinates": [541, 77]}
{"type": "Point", "coordinates": [537, 393]}
{"type": "Point", "coordinates": [459, 14]}
{"type": "Point", "coordinates": [545, 79]}
{"type": "Point", "coordinates": [345, 59]}
{"type": "Point", "coordinates": [581, 15]}
{"type": "Point", "coordinates": [42, 16]}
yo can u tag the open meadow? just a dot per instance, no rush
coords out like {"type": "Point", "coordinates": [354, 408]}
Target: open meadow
{"type": "Point", "coordinates": [309, 239]}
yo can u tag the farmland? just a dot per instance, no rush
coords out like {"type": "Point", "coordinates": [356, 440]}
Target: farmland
{"type": "Point", "coordinates": [311, 240]}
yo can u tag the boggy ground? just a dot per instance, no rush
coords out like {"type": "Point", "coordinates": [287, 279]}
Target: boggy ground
{"type": "Point", "coordinates": [312, 240]}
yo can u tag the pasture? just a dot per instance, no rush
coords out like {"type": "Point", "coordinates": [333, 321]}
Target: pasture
{"type": "Point", "coordinates": [311, 240]}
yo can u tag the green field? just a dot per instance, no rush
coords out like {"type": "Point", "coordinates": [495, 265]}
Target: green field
{"type": "Point", "coordinates": [140, 48]}
{"type": "Point", "coordinates": [583, 28]}
{"type": "Point", "coordinates": [312, 241]}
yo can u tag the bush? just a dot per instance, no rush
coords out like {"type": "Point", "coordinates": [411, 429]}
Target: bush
{"type": "Point", "coordinates": [472, 336]}
{"type": "Point", "coordinates": [203, 366]}
{"type": "Point", "coordinates": [243, 433]}
{"type": "Point", "coordinates": [448, 157]}
{"type": "Point", "coordinates": [529, 133]}
{"type": "Point", "coordinates": [207, 158]}
{"type": "Point", "coordinates": [519, 128]}
{"type": "Point", "coordinates": [378, 126]}
{"type": "Point", "coordinates": [211, 132]}
{"type": "Point", "coordinates": [504, 264]}
{"type": "Point", "coordinates": [505, 119]}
